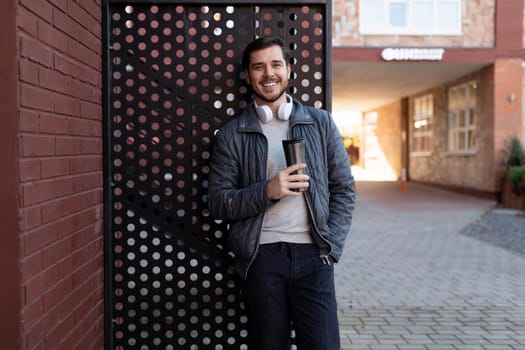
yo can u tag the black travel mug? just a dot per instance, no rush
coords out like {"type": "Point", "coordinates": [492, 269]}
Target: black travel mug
{"type": "Point", "coordinates": [294, 152]}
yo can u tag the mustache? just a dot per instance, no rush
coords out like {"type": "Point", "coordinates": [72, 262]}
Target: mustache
{"type": "Point", "coordinates": [270, 100]}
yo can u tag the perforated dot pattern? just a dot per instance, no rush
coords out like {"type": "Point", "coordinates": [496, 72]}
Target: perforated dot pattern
{"type": "Point", "coordinates": [174, 77]}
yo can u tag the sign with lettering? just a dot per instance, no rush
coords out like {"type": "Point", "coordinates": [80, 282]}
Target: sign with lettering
{"type": "Point", "coordinates": [412, 54]}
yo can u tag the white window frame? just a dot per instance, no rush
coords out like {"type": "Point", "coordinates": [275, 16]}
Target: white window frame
{"type": "Point", "coordinates": [463, 135]}
{"type": "Point", "coordinates": [385, 28]}
{"type": "Point", "coordinates": [422, 125]}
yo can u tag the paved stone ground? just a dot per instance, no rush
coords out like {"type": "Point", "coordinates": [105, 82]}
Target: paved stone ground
{"type": "Point", "coordinates": [409, 279]}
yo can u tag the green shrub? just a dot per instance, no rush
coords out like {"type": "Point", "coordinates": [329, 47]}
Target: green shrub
{"type": "Point", "coordinates": [514, 164]}
{"type": "Point", "coordinates": [514, 153]}
{"type": "Point", "coordinates": [517, 177]}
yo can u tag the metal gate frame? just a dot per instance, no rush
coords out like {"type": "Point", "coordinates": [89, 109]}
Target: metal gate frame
{"type": "Point", "coordinates": [171, 77]}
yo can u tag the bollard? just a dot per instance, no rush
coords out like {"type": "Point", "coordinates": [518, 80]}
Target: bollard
{"type": "Point", "coordinates": [403, 180]}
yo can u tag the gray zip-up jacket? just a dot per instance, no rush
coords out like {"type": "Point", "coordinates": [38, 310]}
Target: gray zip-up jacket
{"type": "Point", "coordinates": [237, 182]}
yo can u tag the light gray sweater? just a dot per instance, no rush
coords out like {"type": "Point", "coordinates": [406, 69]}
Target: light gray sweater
{"type": "Point", "coordinates": [287, 220]}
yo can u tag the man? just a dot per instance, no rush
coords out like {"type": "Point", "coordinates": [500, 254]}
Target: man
{"type": "Point", "coordinates": [286, 229]}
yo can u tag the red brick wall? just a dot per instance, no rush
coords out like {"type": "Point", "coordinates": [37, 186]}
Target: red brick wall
{"type": "Point", "coordinates": [523, 24]}
{"type": "Point", "coordinates": [507, 110]}
{"type": "Point", "coordinates": [10, 289]}
{"type": "Point", "coordinates": [509, 25]}
{"type": "Point", "coordinates": [60, 173]}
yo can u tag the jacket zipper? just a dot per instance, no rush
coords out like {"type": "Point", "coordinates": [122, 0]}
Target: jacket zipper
{"type": "Point", "coordinates": [324, 256]}
{"type": "Point", "coordinates": [230, 207]}
{"type": "Point", "coordinates": [256, 251]}
{"type": "Point", "coordinates": [262, 221]}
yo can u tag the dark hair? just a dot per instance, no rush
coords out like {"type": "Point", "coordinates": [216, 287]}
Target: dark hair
{"type": "Point", "coordinates": [263, 43]}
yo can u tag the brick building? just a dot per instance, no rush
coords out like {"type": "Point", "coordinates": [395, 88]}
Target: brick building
{"type": "Point", "coordinates": [51, 240]}
{"type": "Point", "coordinates": [439, 83]}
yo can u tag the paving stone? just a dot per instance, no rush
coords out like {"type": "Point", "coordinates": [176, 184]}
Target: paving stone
{"type": "Point", "coordinates": [409, 274]}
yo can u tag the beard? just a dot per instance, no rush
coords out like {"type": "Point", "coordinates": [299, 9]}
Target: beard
{"type": "Point", "coordinates": [271, 99]}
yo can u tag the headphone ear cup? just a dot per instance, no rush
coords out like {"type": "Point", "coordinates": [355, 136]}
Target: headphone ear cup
{"type": "Point", "coordinates": [285, 110]}
{"type": "Point", "coordinates": [264, 113]}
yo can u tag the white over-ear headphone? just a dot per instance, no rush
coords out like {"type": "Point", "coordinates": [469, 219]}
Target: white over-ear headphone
{"type": "Point", "coordinates": [284, 111]}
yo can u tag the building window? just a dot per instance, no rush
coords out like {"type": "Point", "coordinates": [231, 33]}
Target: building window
{"type": "Point", "coordinates": [463, 118]}
{"type": "Point", "coordinates": [410, 17]}
{"type": "Point", "coordinates": [422, 124]}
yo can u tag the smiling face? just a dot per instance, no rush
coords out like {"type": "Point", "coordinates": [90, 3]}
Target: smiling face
{"type": "Point", "coordinates": [268, 75]}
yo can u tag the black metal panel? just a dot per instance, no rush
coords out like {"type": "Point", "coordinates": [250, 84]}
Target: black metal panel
{"type": "Point", "coordinates": [172, 77]}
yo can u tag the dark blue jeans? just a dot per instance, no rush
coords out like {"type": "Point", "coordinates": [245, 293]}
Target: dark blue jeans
{"type": "Point", "coordinates": [290, 283]}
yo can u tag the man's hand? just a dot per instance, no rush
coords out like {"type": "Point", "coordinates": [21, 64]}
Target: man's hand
{"type": "Point", "coordinates": [284, 181]}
